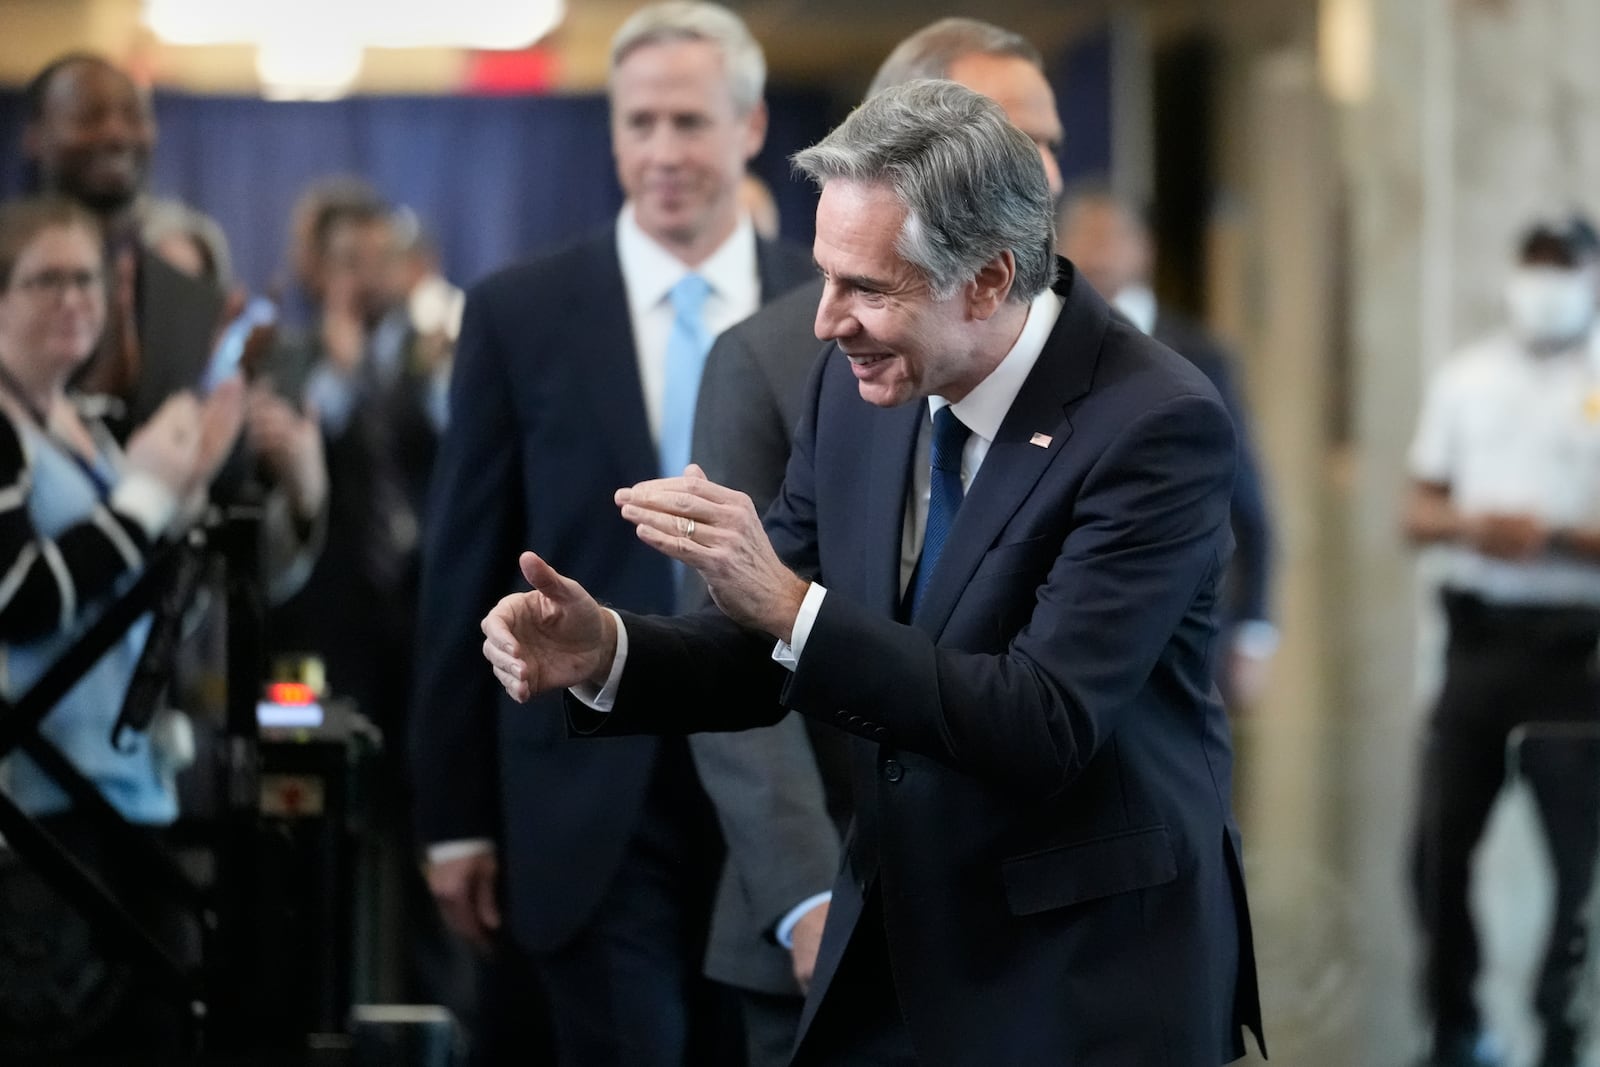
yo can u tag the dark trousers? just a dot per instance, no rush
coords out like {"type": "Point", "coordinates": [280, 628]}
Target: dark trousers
{"type": "Point", "coordinates": [1506, 667]}
{"type": "Point", "coordinates": [859, 1023]}
{"type": "Point", "coordinates": [508, 1018]}
{"type": "Point", "coordinates": [771, 1021]}
{"type": "Point", "coordinates": [627, 991]}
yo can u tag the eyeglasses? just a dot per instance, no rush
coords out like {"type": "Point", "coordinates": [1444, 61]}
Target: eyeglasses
{"type": "Point", "coordinates": [57, 283]}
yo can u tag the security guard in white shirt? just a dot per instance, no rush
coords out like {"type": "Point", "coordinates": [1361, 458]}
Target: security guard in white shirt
{"type": "Point", "coordinates": [1506, 469]}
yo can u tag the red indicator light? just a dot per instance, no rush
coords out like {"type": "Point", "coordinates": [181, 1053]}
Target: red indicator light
{"type": "Point", "coordinates": [290, 693]}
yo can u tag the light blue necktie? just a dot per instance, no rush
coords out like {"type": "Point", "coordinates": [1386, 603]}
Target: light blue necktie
{"type": "Point", "coordinates": [944, 498]}
{"type": "Point", "coordinates": [687, 346]}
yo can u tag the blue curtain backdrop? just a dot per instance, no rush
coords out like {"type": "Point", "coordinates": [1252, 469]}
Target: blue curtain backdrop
{"type": "Point", "coordinates": [494, 178]}
{"type": "Point", "coordinates": [1081, 77]}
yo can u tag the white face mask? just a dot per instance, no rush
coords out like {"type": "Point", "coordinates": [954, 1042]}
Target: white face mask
{"type": "Point", "coordinates": [1549, 306]}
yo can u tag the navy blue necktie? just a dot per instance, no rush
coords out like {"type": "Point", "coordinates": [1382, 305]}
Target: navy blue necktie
{"type": "Point", "coordinates": [944, 498]}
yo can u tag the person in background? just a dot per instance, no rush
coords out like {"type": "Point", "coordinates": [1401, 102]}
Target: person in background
{"type": "Point", "coordinates": [89, 135]}
{"type": "Point", "coordinates": [782, 793]}
{"type": "Point", "coordinates": [1505, 493]}
{"type": "Point", "coordinates": [1107, 240]}
{"type": "Point", "coordinates": [366, 376]}
{"type": "Point", "coordinates": [433, 303]}
{"type": "Point", "coordinates": [301, 296]}
{"type": "Point", "coordinates": [376, 384]}
{"type": "Point", "coordinates": [79, 517]}
{"type": "Point", "coordinates": [576, 372]}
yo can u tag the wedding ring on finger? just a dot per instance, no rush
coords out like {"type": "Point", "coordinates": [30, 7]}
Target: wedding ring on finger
{"type": "Point", "coordinates": [688, 530]}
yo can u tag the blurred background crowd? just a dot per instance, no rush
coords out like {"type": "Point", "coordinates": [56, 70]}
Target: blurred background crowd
{"type": "Point", "coordinates": [1367, 222]}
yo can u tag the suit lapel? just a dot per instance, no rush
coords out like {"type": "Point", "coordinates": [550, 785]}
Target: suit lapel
{"type": "Point", "coordinates": [893, 449]}
{"type": "Point", "coordinates": [611, 370]}
{"type": "Point", "coordinates": [1063, 374]}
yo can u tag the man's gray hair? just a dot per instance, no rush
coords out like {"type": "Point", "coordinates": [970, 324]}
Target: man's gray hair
{"type": "Point", "coordinates": [934, 49]}
{"type": "Point", "coordinates": [689, 20]}
{"type": "Point", "coordinates": [972, 183]}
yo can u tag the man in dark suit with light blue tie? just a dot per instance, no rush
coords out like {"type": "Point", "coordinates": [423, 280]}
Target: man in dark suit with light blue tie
{"type": "Point", "coordinates": [1008, 605]}
{"type": "Point", "coordinates": [575, 373]}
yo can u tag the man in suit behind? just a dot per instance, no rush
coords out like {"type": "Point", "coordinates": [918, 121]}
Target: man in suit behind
{"type": "Point", "coordinates": [1008, 606]}
{"type": "Point", "coordinates": [574, 373]}
{"type": "Point", "coordinates": [774, 788]}
{"type": "Point", "coordinates": [1109, 242]}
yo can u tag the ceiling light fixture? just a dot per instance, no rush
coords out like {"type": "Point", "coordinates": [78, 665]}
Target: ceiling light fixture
{"type": "Point", "coordinates": [312, 49]}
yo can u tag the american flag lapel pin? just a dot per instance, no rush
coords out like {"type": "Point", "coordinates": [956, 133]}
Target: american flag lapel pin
{"type": "Point", "coordinates": [1041, 439]}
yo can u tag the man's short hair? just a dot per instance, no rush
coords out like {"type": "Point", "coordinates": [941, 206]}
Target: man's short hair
{"type": "Point", "coordinates": [346, 211]}
{"type": "Point", "coordinates": [971, 182]}
{"type": "Point", "coordinates": [690, 20]}
{"type": "Point", "coordinates": [934, 49]}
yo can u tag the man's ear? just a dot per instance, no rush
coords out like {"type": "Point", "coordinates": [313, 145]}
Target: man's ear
{"type": "Point", "coordinates": [991, 285]}
{"type": "Point", "coordinates": [755, 130]}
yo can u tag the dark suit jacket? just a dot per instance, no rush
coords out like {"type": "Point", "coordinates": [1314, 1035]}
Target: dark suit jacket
{"type": "Point", "coordinates": [781, 793]}
{"type": "Point", "coordinates": [1041, 769]}
{"type": "Point", "coordinates": [178, 320]}
{"type": "Point", "coordinates": [547, 420]}
{"type": "Point", "coordinates": [1249, 589]}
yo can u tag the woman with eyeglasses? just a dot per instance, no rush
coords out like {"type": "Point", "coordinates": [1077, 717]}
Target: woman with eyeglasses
{"type": "Point", "coordinates": [78, 515]}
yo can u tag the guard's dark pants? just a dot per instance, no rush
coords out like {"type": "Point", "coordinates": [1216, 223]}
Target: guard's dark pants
{"type": "Point", "coordinates": [1507, 666]}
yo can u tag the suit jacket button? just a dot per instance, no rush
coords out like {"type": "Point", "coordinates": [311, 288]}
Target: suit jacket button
{"type": "Point", "coordinates": [892, 770]}
{"type": "Point", "coordinates": [856, 720]}
{"type": "Point", "coordinates": [880, 733]}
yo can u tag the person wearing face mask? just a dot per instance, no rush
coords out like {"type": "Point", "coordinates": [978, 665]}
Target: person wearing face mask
{"type": "Point", "coordinates": [1506, 489]}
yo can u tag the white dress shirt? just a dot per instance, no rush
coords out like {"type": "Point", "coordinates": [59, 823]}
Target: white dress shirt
{"type": "Point", "coordinates": [649, 274]}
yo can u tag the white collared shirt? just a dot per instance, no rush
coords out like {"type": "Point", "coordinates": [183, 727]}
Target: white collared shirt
{"type": "Point", "coordinates": [1512, 432]}
{"type": "Point", "coordinates": [649, 273]}
{"type": "Point", "coordinates": [981, 411]}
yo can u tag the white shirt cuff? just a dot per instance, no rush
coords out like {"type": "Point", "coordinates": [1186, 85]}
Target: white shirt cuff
{"type": "Point", "coordinates": [145, 499]}
{"type": "Point", "coordinates": [605, 698]}
{"type": "Point", "coordinates": [1255, 638]}
{"type": "Point", "coordinates": [445, 851]}
{"type": "Point", "coordinates": [785, 930]}
{"type": "Point", "coordinates": [788, 653]}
